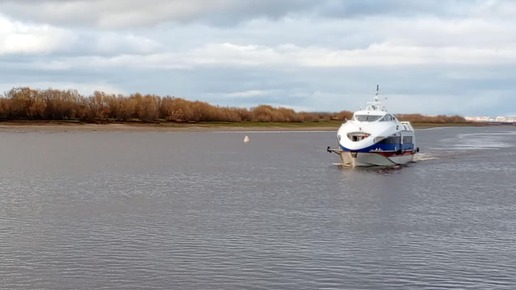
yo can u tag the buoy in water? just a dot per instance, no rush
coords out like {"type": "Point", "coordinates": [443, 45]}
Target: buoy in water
{"type": "Point", "coordinates": [246, 139]}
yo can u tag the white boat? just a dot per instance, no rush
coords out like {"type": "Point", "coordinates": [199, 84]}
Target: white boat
{"type": "Point", "coordinates": [374, 137]}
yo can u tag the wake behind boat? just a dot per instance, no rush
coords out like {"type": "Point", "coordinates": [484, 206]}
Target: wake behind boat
{"type": "Point", "coordinates": [374, 137]}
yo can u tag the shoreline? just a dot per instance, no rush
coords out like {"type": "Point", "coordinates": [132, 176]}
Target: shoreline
{"type": "Point", "coordinates": [29, 126]}
{"type": "Point", "coordinates": [122, 127]}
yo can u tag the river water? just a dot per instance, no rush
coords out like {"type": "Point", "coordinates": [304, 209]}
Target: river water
{"type": "Point", "coordinates": [203, 210]}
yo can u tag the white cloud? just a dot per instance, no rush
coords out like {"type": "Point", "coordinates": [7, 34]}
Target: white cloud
{"type": "Point", "coordinates": [86, 89]}
{"type": "Point", "coordinates": [20, 38]}
{"type": "Point", "coordinates": [381, 54]}
{"type": "Point", "coordinates": [249, 93]}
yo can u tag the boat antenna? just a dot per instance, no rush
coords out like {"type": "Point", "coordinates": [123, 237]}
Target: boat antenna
{"type": "Point", "coordinates": [376, 94]}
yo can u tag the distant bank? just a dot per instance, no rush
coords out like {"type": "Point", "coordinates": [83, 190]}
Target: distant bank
{"type": "Point", "coordinates": [69, 106]}
{"type": "Point", "coordinates": [63, 126]}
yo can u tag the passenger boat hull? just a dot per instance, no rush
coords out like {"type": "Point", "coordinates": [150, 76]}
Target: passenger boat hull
{"type": "Point", "coordinates": [365, 159]}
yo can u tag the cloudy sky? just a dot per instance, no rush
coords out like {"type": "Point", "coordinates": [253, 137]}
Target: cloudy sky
{"type": "Point", "coordinates": [428, 56]}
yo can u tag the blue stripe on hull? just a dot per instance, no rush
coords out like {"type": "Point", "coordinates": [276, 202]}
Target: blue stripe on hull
{"type": "Point", "coordinates": [383, 147]}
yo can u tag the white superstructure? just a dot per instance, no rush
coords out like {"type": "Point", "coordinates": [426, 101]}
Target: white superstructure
{"type": "Point", "coordinates": [374, 137]}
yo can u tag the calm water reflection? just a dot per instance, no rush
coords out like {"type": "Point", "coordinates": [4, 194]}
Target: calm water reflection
{"type": "Point", "coordinates": [148, 210]}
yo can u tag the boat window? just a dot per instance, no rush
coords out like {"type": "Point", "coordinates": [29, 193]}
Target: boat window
{"type": "Point", "coordinates": [391, 140]}
{"type": "Point", "coordinates": [387, 118]}
{"type": "Point", "coordinates": [367, 118]}
{"type": "Point", "coordinates": [357, 136]}
{"type": "Point", "coordinates": [407, 140]}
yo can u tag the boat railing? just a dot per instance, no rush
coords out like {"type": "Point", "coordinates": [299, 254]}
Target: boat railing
{"type": "Point", "coordinates": [375, 106]}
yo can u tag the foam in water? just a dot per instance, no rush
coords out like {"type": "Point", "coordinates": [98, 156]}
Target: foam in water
{"type": "Point", "coordinates": [424, 156]}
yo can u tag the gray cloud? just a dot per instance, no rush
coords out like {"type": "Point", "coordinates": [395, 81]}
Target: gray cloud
{"type": "Point", "coordinates": [115, 14]}
{"type": "Point", "coordinates": [135, 13]}
{"type": "Point", "coordinates": [428, 56]}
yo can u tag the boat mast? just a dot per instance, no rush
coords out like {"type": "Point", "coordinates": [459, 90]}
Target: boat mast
{"type": "Point", "coordinates": [376, 95]}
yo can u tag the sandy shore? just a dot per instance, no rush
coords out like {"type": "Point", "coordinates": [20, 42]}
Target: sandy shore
{"type": "Point", "coordinates": [27, 126]}
{"type": "Point", "coordinates": [74, 127]}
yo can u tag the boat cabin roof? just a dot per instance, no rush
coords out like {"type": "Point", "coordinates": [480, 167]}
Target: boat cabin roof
{"type": "Point", "coordinates": [376, 106]}
{"type": "Point", "coordinates": [374, 111]}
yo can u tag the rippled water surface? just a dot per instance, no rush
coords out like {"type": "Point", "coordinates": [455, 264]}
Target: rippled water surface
{"type": "Point", "coordinates": [155, 210]}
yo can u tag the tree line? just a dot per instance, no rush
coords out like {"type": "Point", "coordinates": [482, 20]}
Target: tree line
{"type": "Point", "coordinates": [61, 105]}
{"type": "Point", "coordinates": [441, 119]}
